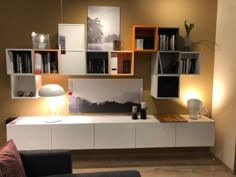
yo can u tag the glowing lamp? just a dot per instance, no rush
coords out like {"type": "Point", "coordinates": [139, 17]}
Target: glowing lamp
{"type": "Point", "coordinates": [53, 91]}
{"type": "Point", "coordinates": [194, 107]}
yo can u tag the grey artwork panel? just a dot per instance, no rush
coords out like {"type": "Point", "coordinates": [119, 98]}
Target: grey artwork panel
{"type": "Point", "coordinates": [104, 95]}
{"type": "Point", "coordinates": [103, 27]}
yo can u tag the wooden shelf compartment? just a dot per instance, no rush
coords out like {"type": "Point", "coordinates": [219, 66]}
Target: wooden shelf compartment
{"type": "Point", "coordinates": [144, 38]}
{"type": "Point", "coordinates": [46, 61]}
{"type": "Point", "coordinates": [122, 63]}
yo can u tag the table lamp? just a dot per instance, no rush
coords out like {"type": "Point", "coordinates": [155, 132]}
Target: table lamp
{"type": "Point", "coordinates": [52, 91]}
{"type": "Point", "coordinates": [194, 106]}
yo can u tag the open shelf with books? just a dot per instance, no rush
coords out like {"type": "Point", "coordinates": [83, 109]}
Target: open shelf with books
{"type": "Point", "coordinates": [189, 62]}
{"type": "Point", "coordinates": [121, 63]}
{"type": "Point", "coordinates": [19, 61]}
{"type": "Point", "coordinates": [168, 39]}
{"type": "Point", "coordinates": [97, 62]}
{"type": "Point", "coordinates": [46, 61]}
{"type": "Point", "coordinates": [144, 38]}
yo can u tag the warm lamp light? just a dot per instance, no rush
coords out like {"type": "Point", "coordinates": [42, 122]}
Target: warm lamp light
{"type": "Point", "coordinates": [52, 91]}
{"type": "Point", "coordinates": [194, 106]}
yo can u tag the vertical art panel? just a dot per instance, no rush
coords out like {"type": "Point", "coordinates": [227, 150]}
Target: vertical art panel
{"type": "Point", "coordinates": [103, 27]}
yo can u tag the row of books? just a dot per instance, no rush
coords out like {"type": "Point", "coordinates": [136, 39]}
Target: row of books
{"type": "Point", "coordinates": [189, 65]}
{"type": "Point", "coordinates": [43, 63]}
{"type": "Point", "coordinates": [22, 62]}
{"type": "Point", "coordinates": [97, 66]}
{"type": "Point", "coordinates": [166, 43]}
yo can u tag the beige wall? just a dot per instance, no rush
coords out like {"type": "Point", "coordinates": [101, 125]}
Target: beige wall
{"type": "Point", "coordinates": [20, 18]}
{"type": "Point", "coordinates": [224, 100]}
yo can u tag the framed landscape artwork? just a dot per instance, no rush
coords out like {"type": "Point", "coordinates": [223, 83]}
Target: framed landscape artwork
{"type": "Point", "coordinates": [103, 27]}
{"type": "Point", "coordinates": [104, 95]}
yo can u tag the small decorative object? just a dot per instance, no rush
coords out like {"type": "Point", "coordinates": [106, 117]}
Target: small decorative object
{"type": "Point", "coordinates": [187, 40]}
{"type": "Point", "coordinates": [116, 44]}
{"type": "Point", "coordinates": [20, 93]}
{"type": "Point", "coordinates": [134, 112]}
{"type": "Point", "coordinates": [40, 41]}
{"type": "Point", "coordinates": [54, 67]}
{"type": "Point", "coordinates": [143, 110]}
{"type": "Point", "coordinates": [194, 107]}
{"type": "Point", "coordinates": [139, 44]}
{"type": "Point", "coordinates": [126, 66]}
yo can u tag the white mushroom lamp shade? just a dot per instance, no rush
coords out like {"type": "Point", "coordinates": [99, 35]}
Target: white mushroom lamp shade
{"type": "Point", "coordinates": [51, 90]}
{"type": "Point", "coordinates": [194, 106]}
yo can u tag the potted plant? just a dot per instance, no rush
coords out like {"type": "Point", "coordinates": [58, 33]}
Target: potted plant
{"type": "Point", "coordinates": [187, 41]}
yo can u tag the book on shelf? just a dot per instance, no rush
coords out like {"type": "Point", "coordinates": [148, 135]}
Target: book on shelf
{"type": "Point", "coordinates": [46, 63]}
{"type": "Point", "coordinates": [192, 66]}
{"type": "Point", "coordinates": [38, 64]}
{"type": "Point", "coordinates": [166, 43]}
{"type": "Point", "coordinates": [22, 62]}
{"type": "Point", "coordinates": [188, 65]}
{"type": "Point", "coordinates": [97, 65]}
{"type": "Point", "coordinates": [160, 68]}
{"type": "Point", "coordinates": [114, 64]}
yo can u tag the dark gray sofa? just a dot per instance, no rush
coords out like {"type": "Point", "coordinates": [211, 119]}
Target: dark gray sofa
{"type": "Point", "coordinates": [58, 163]}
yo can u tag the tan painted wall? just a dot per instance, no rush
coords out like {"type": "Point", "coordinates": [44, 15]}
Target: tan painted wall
{"type": "Point", "coordinates": [20, 18]}
{"type": "Point", "coordinates": [224, 100]}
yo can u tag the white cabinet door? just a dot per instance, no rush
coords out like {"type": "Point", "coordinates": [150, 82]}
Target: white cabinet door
{"type": "Point", "coordinates": [73, 136]}
{"type": "Point", "coordinates": [150, 135]}
{"type": "Point", "coordinates": [114, 135]}
{"type": "Point", "coordinates": [29, 137]}
{"type": "Point", "coordinates": [73, 63]}
{"type": "Point", "coordinates": [195, 134]}
{"type": "Point", "coordinates": [71, 37]}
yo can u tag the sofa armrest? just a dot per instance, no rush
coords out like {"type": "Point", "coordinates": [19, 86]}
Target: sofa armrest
{"type": "Point", "coordinates": [46, 162]}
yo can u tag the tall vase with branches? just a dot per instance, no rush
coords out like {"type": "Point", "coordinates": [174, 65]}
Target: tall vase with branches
{"type": "Point", "coordinates": [187, 40]}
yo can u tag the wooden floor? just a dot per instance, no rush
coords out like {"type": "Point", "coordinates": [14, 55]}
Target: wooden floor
{"type": "Point", "coordinates": [169, 163]}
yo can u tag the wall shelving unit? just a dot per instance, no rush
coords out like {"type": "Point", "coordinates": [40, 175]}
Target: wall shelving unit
{"type": "Point", "coordinates": [169, 63]}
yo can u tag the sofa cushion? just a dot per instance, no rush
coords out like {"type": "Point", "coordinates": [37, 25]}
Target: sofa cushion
{"type": "Point", "coordinates": [10, 161]}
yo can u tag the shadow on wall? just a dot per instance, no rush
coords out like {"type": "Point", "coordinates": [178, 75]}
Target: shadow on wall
{"type": "Point", "coordinates": [169, 106]}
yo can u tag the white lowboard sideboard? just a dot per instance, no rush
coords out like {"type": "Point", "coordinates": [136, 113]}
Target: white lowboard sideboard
{"type": "Point", "coordinates": [109, 132]}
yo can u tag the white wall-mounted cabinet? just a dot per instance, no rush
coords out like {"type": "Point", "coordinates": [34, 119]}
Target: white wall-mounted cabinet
{"type": "Point", "coordinates": [155, 134]}
{"type": "Point", "coordinates": [35, 136]}
{"type": "Point", "coordinates": [167, 68]}
{"type": "Point", "coordinates": [114, 135]}
{"type": "Point", "coordinates": [71, 37]}
{"type": "Point", "coordinates": [199, 132]}
{"type": "Point", "coordinates": [73, 63]}
{"type": "Point", "coordinates": [73, 136]}
{"type": "Point", "coordinates": [72, 47]}
{"type": "Point", "coordinates": [109, 132]}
